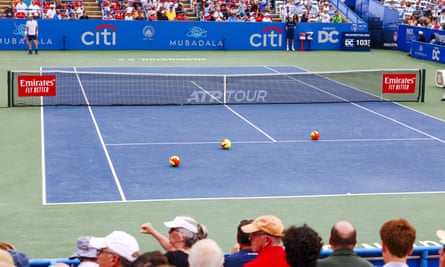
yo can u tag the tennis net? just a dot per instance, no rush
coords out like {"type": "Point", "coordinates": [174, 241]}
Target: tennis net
{"type": "Point", "coordinates": [53, 87]}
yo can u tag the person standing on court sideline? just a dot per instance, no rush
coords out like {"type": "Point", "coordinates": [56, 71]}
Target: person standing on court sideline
{"type": "Point", "coordinates": [31, 33]}
{"type": "Point", "coordinates": [182, 234]}
{"type": "Point", "coordinates": [343, 239]}
{"type": "Point", "coordinates": [266, 233]}
{"type": "Point", "coordinates": [291, 25]}
{"type": "Point", "coordinates": [398, 238]}
{"type": "Point", "coordinates": [242, 252]}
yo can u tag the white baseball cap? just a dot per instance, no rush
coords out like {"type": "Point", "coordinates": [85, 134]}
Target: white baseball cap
{"type": "Point", "coordinates": [441, 234]}
{"type": "Point", "coordinates": [119, 242]}
{"type": "Point", "coordinates": [182, 222]}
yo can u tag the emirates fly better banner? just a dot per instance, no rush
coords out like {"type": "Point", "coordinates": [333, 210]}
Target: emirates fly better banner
{"type": "Point", "coordinates": [399, 83]}
{"type": "Point", "coordinates": [37, 85]}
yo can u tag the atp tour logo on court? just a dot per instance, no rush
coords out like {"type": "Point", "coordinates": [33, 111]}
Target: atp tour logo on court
{"type": "Point", "coordinates": [104, 34]}
{"type": "Point", "coordinates": [232, 96]}
{"type": "Point", "coordinates": [37, 85]}
{"type": "Point", "coordinates": [269, 37]}
{"type": "Point", "coordinates": [401, 83]}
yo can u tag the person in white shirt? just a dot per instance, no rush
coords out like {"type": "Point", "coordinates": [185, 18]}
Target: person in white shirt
{"type": "Point", "coordinates": [324, 16]}
{"type": "Point", "coordinates": [51, 12]}
{"type": "Point", "coordinates": [288, 10]}
{"type": "Point", "coordinates": [31, 32]}
{"type": "Point", "coordinates": [397, 238]}
{"type": "Point", "coordinates": [21, 6]}
{"type": "Point", "coordinates": [267, 17]}
{"type": "Point", "coordinates": [34, 9]}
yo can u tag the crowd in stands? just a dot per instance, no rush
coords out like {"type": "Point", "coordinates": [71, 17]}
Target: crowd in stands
{"type": "Point", "coordinates": [217, 10]}
{"type": "Point", "coordinates": [260, 242]}
{"type": "Point", "coordinates": [142, 10]}
{"type": "Point", "coordinates": [212, 10]}
{"type": "Point", "coordinates": [316, 11]}
{"type": "Point", "coordinates": [49, 9]}
{"type": "Point", "coordinates": [220, 11]}
{"type": "Point", "coordinates": [421, 13]}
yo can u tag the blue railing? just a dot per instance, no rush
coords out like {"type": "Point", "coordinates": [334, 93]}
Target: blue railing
{"type": "Point", "coordinates": [421, 257]}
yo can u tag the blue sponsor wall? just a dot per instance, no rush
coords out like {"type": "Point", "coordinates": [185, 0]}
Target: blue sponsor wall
{"type": "Point", "coordinates": [407, 42]}
{"type": "Point", "coordinates": [428, 51]}
{"type": "Point", "coordinates": [165, 35]}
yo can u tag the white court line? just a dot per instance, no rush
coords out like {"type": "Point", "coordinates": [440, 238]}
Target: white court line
{"type": "Point", "coordinates": [42, 132]}
{"type": "Point", "coordinates": [370, 110]}
{"type": "Point", "coordinates": [272, 140]}
{"type": "Point", "coordinates": [99, 134]}
{"type": "Point", "coordinates": [250, 198]}
{"type": "Point", "coordinates": [236, 113]}
{"type": "Point", "coordinates": [400, 123]}
{"type": "Point", "coordinates": [278, 141]}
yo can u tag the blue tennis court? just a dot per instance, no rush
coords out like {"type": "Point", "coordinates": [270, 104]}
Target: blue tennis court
{"type": "Point", "coordinates": [120, 153]}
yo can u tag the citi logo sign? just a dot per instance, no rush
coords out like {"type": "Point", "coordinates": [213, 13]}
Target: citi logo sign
{"type": "Point", "coordinates": [104, 34]}
{"type": "Point", "coordinates": [270, 37]}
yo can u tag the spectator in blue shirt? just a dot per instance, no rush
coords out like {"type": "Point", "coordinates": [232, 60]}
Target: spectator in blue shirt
{"type": "Point", "coordinates": [242, 252]}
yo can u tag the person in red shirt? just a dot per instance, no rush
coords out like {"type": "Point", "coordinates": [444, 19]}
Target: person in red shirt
{"type": "Point", "coordinates": [265, 235]}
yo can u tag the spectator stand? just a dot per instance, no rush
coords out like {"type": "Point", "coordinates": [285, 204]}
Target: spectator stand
{"type": "Point", "coordinates": [421, 257]}
{"type": "Point", "coordinates": [313, 8]}
{"type": "Point", "coordinates": [39, 9]}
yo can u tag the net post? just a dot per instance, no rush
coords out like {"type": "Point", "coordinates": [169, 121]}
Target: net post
{"type": "Point", "coordinates": [422, 85]}
{"type": "Point", "coordinates": [225, 90]}
{"type": "Point", "coordinates": [9, 89]}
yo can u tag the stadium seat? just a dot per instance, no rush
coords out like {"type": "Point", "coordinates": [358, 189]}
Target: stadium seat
{"type": "Point", "coordinates": [119, 15]}
{"type": "Point", "coordinates": [180, 16]}
{"type": "Point", "coordinates": [20, 14]}
{"type": "Point", "coordinates": [440, 78]}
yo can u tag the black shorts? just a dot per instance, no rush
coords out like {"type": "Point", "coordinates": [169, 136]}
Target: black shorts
{"type": "Point", "coordinates": [32, 37]}
{"type": "Point", "coordinates": [290, 34]}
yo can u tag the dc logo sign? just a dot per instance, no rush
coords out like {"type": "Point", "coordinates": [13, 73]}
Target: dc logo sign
{"type": "Point", "coordinates": [435, 54]}
{"type": "Point", "coordinates": [325, 37]}
{"type": "Point", "coordinates": [349, 42]}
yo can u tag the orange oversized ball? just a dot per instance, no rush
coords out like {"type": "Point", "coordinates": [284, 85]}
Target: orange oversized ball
{"type": "Point", "coordinates": [226, 143]}
{"type": "Point", "coordinates": [175, 161]}
{"type": "Point", "coordinates": [315, 135]}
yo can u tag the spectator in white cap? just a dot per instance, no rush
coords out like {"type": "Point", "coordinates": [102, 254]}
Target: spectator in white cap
{"type": "Point", "coordinates": [422, 37]}
{"type": "Point", "coordinates": [85, 253]}
{"type": "Point", "coordinates": [117, 249]}
{"type": "Point", "coordinates": [183, 233]}
{"type": "Point", "coordinates": [441, 235]}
